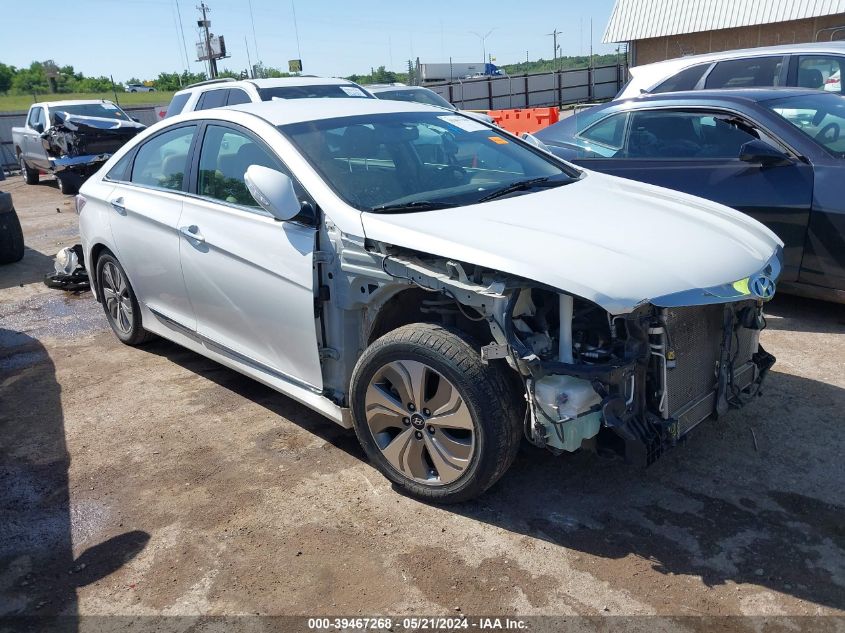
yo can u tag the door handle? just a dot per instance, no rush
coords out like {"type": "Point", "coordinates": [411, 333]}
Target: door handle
{"type": "Point", "coordinates": [117, 205]}
{"type": "Point", "coordinates": [192, 233]}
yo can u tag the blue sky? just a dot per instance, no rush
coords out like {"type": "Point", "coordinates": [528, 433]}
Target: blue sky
{"type": "Point", "coordinates": [337, 37]}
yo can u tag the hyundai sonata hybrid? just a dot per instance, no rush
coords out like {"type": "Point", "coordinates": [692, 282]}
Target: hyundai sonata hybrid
{"type": "Point", "coordinates": [440, 286]}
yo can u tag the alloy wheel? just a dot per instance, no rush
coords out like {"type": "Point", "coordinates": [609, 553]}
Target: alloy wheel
{"type": "Point", "coordinates": [420, 422]}
{"type": "Point", "coordinates": [117, 299]}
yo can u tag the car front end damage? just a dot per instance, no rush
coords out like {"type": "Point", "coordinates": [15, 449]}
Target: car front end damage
{"type": "Point", "coordinates": [79, 145]}
{"type": "Point", "coordinates": [633, 384]}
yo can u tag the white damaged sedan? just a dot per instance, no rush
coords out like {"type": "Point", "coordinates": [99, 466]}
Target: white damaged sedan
{"type": "Point", "coordinates": [432, 281]}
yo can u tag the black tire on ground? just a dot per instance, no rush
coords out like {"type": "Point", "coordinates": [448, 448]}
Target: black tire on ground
{"type": "Point", "coordinates": [11, 236]}
{"type": "Point", "coordinates": [30, 175]}
{"type": "Point", "coordinates": [491, 399]}
{"type": "Point", "coordinates": [68, 185]}
{"type": "Point", "coordinates": [134, 334]}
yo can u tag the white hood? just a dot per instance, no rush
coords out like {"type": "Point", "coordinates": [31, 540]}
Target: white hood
{"type": "Point", "coordinates": [613, 241]}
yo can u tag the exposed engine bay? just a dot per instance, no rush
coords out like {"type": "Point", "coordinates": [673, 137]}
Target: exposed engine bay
{"type": "Point", "coordinates": [83, 143]}
{"type": "Point", "coordinates": [631, 384]}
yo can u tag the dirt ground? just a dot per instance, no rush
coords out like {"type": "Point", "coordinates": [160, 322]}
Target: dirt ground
{"type": "Point", "coordinates": [153, 481]}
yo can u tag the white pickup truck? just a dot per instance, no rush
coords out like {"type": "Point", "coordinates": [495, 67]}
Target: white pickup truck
{"type": "Point", "coordinates": [70, 139]}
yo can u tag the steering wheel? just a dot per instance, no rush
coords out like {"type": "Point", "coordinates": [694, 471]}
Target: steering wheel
{"type": "Point", "coordinates": [831, 128]}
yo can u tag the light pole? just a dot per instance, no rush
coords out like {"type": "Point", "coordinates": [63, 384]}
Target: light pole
{"type": "Point", "coordinates": [483, 39]}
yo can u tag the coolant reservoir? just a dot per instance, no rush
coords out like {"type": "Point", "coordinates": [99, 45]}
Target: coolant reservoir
{"type": "Point", "coordinates": [568, 400]}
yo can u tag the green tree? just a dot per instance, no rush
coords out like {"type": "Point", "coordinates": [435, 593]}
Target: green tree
{"type": "Point", "coordinates": [30, 80]}
{"type": "Point", "coordinates": [177, 81]}
{"type": "Point", "coordinates": [7, 73]}
{"type": "Point", "coordinates": [276, 73]}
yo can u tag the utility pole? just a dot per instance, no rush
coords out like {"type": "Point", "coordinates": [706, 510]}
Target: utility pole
{"type": "Point", "coordinates": [554, 35]}
{"type": "Point", "coordinates": [204, 24]}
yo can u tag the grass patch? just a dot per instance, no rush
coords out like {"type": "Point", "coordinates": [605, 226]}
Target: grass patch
{"type": "Point", "coordinates": [12, 103]}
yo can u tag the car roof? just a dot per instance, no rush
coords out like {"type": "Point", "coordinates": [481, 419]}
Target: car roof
{"type": "Point", "coordinates": [393, 88]}
{"type": "Point", "coordinates": [301, 80]}
{"type": "Point", "coordinates": [283, 111]}
{"type": "Point", "coordinates": [761, 51]}
{"type": "Point", "coordinates": [756, 95]}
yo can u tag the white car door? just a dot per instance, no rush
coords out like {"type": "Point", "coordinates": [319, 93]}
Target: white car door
{"type": "Point", "coordinates": [146, 203]}
{"type": "Point", "coordinates": [250, 278]}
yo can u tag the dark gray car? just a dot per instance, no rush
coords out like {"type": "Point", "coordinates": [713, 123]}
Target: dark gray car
{"type": "Point", "coordinates": [776, 154]}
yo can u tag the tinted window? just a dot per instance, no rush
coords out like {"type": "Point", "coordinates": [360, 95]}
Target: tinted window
{"type": "Point", "coordinates": [225, 157]}
{"type": "Point", "coordinates": [684, 135]}
{"type": "Point", "coordinates": [33, 116]}
{"type": "Point", "coordinates": [684, 80]}
{"type": "Point", "coordinates": [118, 172]}
{"type": "Point", "coordinates": [608, 132]}
{"type": "Point", "coordinates": [752, 71]}
{"type": "Point", "coordinates": [421, 95]}
{"type": "Point", "coordinates": [310, 92]}
{"type": "Point", "coordinates": [426, 158]}
{"type": "Point", "coordinates": [163, 160]}
{"type": "Point", "coordinates": [177, 103]}
{"type": "Point", "coordinates": [819, 116]}
{"type": "Point", "coordinates": [821, 73]}
{"type": "Point", "coordinates": [212, 99]}
{"type": "Point", "coordinates": [237, 96]}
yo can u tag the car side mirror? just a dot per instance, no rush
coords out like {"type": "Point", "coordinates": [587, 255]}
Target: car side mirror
{"type": "Point", "coordinates": [273, 190]}
{"type": "Point", "coordinates": [38, 127]}
{"type": "Point", "coordinates": [758, 151]}
{"type": "Point", "coordinates": [136, 119]}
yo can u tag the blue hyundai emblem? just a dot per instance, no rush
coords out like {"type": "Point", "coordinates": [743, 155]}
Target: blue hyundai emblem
{"type": "Point", "coordinates": [762, 286]}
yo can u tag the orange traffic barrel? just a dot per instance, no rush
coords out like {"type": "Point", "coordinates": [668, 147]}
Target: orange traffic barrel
{"type": "Point", "coordinates": [525, 120]}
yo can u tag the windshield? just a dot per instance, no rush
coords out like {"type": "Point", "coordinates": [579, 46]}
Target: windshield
{"type": "Point", "coordinates": [821, 117]}
{"type": "Point", "coordinates": [342, 91]}
{"type": "Point", "coordinates": [105, 110]}
{"type": "Point", "coordinates": [413, 161]}
{"type": "Point", "coordinates": [429, 97]}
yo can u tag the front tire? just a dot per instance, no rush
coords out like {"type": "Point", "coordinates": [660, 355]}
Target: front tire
{"type": "Point", "coordinates": [431, 416]}
{"type": "Point", "coordinates": [31, 176]}
{"type": "Point", "coordinates": [119, 302]}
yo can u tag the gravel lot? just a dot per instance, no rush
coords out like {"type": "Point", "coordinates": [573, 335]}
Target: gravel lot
{"type": "Point", "coordinates": [153, 481]}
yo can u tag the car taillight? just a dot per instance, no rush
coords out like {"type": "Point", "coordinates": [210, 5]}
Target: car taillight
{"type": "Point", "coordinates": [80, 202]}
{"type": "Point", "coordinates": [832, 80]}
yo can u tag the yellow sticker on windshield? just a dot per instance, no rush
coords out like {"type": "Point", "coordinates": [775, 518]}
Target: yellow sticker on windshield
{"type": "Point", "coordinates": [498, 140]}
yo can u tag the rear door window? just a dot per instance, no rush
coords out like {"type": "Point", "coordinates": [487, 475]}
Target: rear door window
{"type": "Point", "coordinates": [177, 103]}
{"type": "Point", "coordinates": [162, 161]}
{"type": "Point", "coordinates": [747, 72]}
{"type": "Point", "coordinates": [684, 80]}
{"type": "Point", "coordinates": [236, 96]}
{"type": "Point", "coordinates": [212, 99]}
{"type": "Point", "coordinates": [821, 72]}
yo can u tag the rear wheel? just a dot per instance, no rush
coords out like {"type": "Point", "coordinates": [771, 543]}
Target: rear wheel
{"type": "Point", "coordinates": [30, 175]}
{"type": "Point", "coordinates": [119, 301]}
{"type": "Point", "coordinates": [431, 416]}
